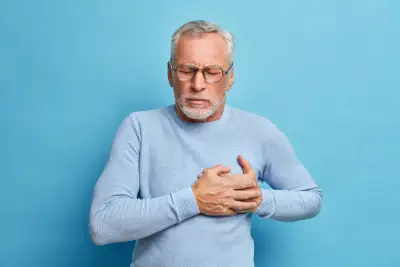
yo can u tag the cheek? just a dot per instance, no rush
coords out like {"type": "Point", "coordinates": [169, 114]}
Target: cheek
{"type": "Point", "coordinates": [181, 88]}
{"type": "Point", "coordinates": [219, 89]}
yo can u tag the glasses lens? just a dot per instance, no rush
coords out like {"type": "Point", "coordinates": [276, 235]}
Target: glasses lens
{"type": "Point", "coordinates": [213, 74]}
{"type": "Point", "coordinates": [185, 72]}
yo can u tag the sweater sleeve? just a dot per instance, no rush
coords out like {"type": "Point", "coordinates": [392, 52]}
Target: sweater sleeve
{"type": "Point", "coordinates": [116, 212]}
{"type": "Point", "coordinates": [294, 195]}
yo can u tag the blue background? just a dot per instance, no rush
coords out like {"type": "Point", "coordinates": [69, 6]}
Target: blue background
{"type": "Point", "coordinates": [326, 72]}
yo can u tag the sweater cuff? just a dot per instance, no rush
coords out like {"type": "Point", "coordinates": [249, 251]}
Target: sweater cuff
{"type": "Point", "coordinates": [185, 203]}
{"type": "Point", "coordinates": [268, 205]}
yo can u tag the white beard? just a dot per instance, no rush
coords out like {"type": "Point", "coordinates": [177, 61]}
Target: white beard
{"type": "Point", "coordinates": [198, 113]}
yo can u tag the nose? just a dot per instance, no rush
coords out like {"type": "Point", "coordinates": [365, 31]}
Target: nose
{"type": "Point", "coordinates": [198, 83]}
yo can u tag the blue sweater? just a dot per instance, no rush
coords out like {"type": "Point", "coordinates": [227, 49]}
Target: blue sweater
{"type": "Point", "coordinates": [144, 192]}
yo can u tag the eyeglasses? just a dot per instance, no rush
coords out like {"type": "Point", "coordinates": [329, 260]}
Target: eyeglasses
{"type": "Point", "coordinates": [211, 74]}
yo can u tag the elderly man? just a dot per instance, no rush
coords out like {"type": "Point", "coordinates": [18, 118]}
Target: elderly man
{"type": "Point", "coordinates": [183, 180]}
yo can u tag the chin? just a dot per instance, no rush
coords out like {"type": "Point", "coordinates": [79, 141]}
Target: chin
{"type": "Point", "coordinates": [197, 113]}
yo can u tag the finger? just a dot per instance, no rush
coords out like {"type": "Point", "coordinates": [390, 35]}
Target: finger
{"type": "Point", "coordinates": [229, 212]}
{"type": "Point", "coordinates": [246, 166]}
{"type": "Point", "coordinates": [222, 170]}
{"type": "Point", "coordinates": [246, 194]}
{"type": "Point", "coordinates": [238, 181]}
{"type": "Point", "coordinates": [247, 211]}
{"type": "Point", "coordinates": [217, 167]}
{"type": "Point", "coordinates": [226, 170]}
{"type": "Point", "coordinates": [257, 200]}
{"type": "Point", "coordinates": [242, 206]}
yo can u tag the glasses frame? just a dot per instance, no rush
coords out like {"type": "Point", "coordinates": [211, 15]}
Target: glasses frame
{"type": "Point", "coordinates": [202, 70]}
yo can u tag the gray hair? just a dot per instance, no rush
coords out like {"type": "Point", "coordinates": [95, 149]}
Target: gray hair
{"type": "Point", "coordinates": [198, 27]}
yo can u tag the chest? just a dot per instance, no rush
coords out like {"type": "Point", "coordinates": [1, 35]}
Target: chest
{"type": "Point", "coordinates": [172, 162]}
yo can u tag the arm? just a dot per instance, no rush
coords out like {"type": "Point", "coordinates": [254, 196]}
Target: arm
{"type": "Point", "coordinates": [294, 195]}
{"type": "Point", "coordinates": [116, 214]}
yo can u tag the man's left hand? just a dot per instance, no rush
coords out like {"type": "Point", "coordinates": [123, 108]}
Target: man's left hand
{"type": "Point", "coordinates": [251, 174]}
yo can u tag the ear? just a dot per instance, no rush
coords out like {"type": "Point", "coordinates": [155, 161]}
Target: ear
{"type": "Point", "coordinates": [231, 79]}
{"type": "Point", "coordinates": [171, 83]}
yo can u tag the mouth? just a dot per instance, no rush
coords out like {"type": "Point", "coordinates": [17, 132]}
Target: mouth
{"type": "Point", "coordinates": [197, 101]}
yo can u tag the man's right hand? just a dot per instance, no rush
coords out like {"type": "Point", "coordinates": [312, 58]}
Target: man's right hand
{"type": "Point", "coordinates": [218, 196]}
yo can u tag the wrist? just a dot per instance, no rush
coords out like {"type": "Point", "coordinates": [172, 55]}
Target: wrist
{"type": "Point", "coordinates": [185, 203]}
{"type": "Point", "coordinates": [195, 191]}
{"type": "Point", "coordinates": [267, 205]}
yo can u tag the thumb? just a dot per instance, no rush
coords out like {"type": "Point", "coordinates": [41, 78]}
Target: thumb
{"type": "Point", "coordinates": [245, 164]}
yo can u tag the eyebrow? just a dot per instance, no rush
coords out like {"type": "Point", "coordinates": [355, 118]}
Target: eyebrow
{"type": "Point", "coordinates": [195, 63]}
{"type": "Point", "coordinates": [191, 63]}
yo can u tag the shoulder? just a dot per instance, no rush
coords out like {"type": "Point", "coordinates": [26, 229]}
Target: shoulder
{"type": "Point", "coordinates": [257, 123]}
{"type": "Point", "coordinates": [273, 142]}
{"type": "Point", "coordinates": [136, 121]}
{"type": "Point", "coordinates": [261, 130]}
{"type": "Point", "coordinates": [151, 115]}
{"type": "Point", "coordinates": [145, 118]}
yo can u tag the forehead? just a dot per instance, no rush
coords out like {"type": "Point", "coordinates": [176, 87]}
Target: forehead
{"type": "Point", "coordinates": [201, 50]}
